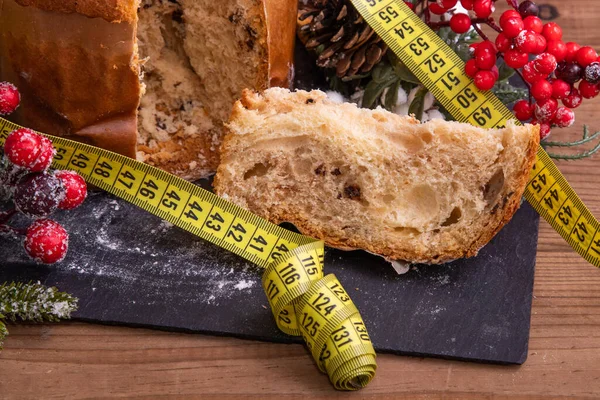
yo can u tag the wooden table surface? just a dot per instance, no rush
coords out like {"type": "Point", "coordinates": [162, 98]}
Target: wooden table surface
{"type": "Point", "coordinates": [77, 360]}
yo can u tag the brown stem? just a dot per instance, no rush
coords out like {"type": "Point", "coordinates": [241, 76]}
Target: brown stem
{"type": "Point", "coordinates": [479, 31]}
{"type": "Point", "coordinates": [490, 22]}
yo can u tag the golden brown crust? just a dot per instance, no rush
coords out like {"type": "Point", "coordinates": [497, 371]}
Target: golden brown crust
{"type": "Point", "coordinates": [110, 10]}
{"type": "Point", "coordinates": [281, 25]}
{"type": "Point", "coordinates": [82, 86]}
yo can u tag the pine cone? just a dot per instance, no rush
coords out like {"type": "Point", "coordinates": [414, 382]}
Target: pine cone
{"type": "Point", "coordinates": [349, 44]}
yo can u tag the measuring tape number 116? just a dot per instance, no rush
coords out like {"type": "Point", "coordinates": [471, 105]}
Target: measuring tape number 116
{"type": "Point", "coordinates": [441, 71]}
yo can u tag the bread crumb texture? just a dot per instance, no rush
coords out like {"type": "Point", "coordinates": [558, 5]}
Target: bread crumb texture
{"type": "Point", "coordinates": [373, 180]}
{"type": "Point", "coordinates": [187, 48]}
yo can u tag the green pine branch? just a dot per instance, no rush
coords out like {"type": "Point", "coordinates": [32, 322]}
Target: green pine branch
{"type": "Point", "coordinates": [33, 302]}
{"type": "Point", "coordinates": [587, 138]}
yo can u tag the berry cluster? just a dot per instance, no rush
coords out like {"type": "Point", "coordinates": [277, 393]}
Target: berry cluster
{"type": "Point", "coordinates": [35, 190]}
{"type": "Point", "coordinates": [552, 69]}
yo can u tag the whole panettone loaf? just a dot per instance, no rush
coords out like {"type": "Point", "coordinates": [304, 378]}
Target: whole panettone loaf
{"type": "Point", "coordinates": [153, 78]}
{"type": "Point", "coordinates": [373, 180]}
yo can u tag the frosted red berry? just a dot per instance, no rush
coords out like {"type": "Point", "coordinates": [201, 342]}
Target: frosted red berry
{"type": "Point", "coordinates": [531, 75]}
{"type": "Point", "coordinates": [588, 90]}
{"type": "Point", "coordinates": [552, 31]}
{"type": "Point", "coordinates": [560, 89]}
{"type": "Point", "coordinates": [586, 55]}
{"type": "Point", "coordinates": [545, 63]}
{"type": "Point", "coordinates": [484, 59]}
{"type": "Point", "coordinates": [557, 48]}
{"type": "Point", "coordinates": [512, 27]}
{"type": "Point", "coordinates": [437, 9]}
{"type": "Point", "coordinates": [9, 98]}
{"type": "Point", "coordinates": [483, 8]}
{"type": "Point", "coordinates": [541, 90]}
{"type": "Point", "coordinates": [46, 241]}
{"type": "Point", "coordinates": [572, 49]}
{"type": "Point", "coordinates": [592, 72]}
{"type": "Point", "coordinates": [515, 58]}
{"type": "Point", "coordinates": [523, 110]}
{"type": "Point", "coordinates": [467, 4]}
{"type": "Point", "coordinates": [534, 24]}
{"type": "Point", "coordinates": [540, 43]}
{"type": "Point", "coordinates": [502, 42]}
{"type": "Point", "coordinates": [470, 68]}
{"type": "Point", "coordinates": [573, 100]}
{"type": "Point", "coordinates": [507, 15]}
{"type": "Point", "coordinates": [484, 80]}
{"type": "Point", "coordinates": [544, 130]}
{"type": "Point", "coordinates": [564, 117]}
{"type": "Point", "coordinates": [38, 196]}
{"type": "Point", "coordinates": [75, 189]}
{"type": "Point", "coordinates": [526, 41]}
{"type": "Point", "coordinates": [528, 8]}
{"type": "Point", "coordinates": [27, 149]}
{"type": "Point", "coordinates": [546, 110]}
{"type": "Point", "coordinates": [460, 23]}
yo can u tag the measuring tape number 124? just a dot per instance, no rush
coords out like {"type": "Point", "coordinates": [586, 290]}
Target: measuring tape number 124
{"type": "Point", "coordinates": [441, 71]}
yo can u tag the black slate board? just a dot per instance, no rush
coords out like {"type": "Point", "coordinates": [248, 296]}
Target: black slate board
{"type": "Point", "coordinates": [128, 267]}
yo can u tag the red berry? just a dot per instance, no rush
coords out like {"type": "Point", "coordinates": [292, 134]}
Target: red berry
{"type": "Point", "coordinates": [483, 8]}
{"type": "Point", "coordinates": [448, 4]}
{"type": "Point", "coordinates": [28, 149]}
{"type": "Point", "coordinates": [502, 42]}
{"type": "Point", "coordinates": [545, 63]}
{"type": "Point", "coordinates": [508, 14]}
{"type": "Point", "coordinates": [544, 130]}
{"type": "Point", "coordinates": [552, 31]}
{"type": "Point", "coordinates": [460, 23]}
{"type": "Point", "coordinates": [534, 24]}
{"type": "Point", "coordinates": [558, 49]}
{"type": "Point", "coordinates": [46, 241]}
{"type": "Point", "coordinates": [512, 26]}
{"type": "Point", "coordinates": [573, 100]}
{"type": "Point", "coordinates": [572, 49]}
{"type": "Point", "coordinates": [588, 90]}
{"type": "Point", "coordinates": [526, 41]}
{"type": "Point", "coordinates": [409, 5]}
{"type": "Point", "coordinates": [531, 75]}
{"type": "Point", "coordinates": [540, 43]}
{"type": "Point", "coordinates": [541, 90]}
{"type": "Point", "coordinates": [9, 98]}
{"type": "Point", "coordinates": [470, 68]}
{"type": "Point", "coordinates": [39, 196]}
{"type": "Point", "coordinates": [586, 55]}
{"type": "Point", "coordinates": [564, 117]}
{"type": "Point", "coordinates": [515, 58]}
{"type": "Point", "coordinates": [486, 45]}
{"type": "Point", "coordinates": [495, 72]}
{"type": "Point", "coordinates": [437, 9]}
{"type": "Point", "coordinates": [523, 110]}
{"type": "Point", "coordinates": [75, 189]}
{"type": "Point", "coordinates": [546, 110]}
{"type": "Point", "coordinates": [484, 80]}
{"type": "Point", "coordinates": [467, 4]}
{"type": "Point", "coordinates": [560, 89]}
{"type": "Point", "coordinates": [484, 58]}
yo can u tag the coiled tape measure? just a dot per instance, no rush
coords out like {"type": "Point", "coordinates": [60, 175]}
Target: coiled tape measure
{"type": "Point", "coordinates": [304, 302]}
{"type": "Point", "coordinates": [441, 71]}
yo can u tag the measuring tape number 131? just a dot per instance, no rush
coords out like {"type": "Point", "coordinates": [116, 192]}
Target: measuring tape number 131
{"type": "Point", "coordinates": [441, 71]}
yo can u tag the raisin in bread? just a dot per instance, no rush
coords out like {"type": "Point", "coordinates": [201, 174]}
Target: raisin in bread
{"type": "Point", "coordinates": [373, 180]}
{"type": "Point", "coordinates": [152, 78]}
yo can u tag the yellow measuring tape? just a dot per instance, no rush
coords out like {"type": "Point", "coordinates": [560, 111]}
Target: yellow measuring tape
{"type": "Point", "coordinates": [303, 301]}
{"type": "Point", "coordinates": [441, 71]}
